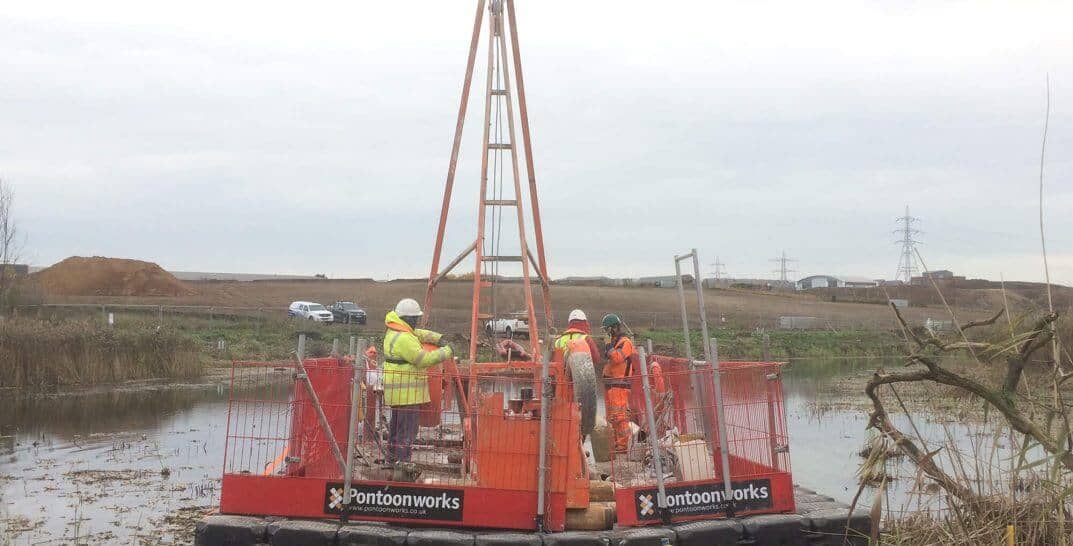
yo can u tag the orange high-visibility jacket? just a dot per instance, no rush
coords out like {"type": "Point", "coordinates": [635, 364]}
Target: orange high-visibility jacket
{"type": "Point", "coordinates": [620, 362]}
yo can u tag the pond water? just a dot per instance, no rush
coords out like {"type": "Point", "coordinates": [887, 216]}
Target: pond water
{"type": "Point", "coordinates": [126, 467]}
{"type": "Point", "coordinates": [827, 428]}
{"type": "Point", "coordinates": [140, 466]}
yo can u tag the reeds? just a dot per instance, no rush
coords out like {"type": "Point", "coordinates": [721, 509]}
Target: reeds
{"type": "Point", "coordinates": [41, 355]}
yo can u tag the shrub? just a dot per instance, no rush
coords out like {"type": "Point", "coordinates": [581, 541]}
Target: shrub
{"type": "Point", "coordinates": [37, 355]}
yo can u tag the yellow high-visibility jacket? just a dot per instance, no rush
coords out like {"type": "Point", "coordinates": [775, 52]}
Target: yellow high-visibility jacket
{"type": "Point", "coordinates": [406, 362]}
{"type": "Point", "coordinates": [566, 341]}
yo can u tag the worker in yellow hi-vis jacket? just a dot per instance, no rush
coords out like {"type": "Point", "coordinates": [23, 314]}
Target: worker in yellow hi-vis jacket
{"type": "Point", "coordinates": [406, 362]}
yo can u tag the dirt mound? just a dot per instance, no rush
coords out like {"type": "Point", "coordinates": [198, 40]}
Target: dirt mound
{"type": "Point", "coordinates": [98, 276]}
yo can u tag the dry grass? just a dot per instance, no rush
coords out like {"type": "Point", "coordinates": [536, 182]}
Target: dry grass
{"type": "Point", "coordinates": [1033, 521]}
{"type": "Point", "coordinates": [40, 355]}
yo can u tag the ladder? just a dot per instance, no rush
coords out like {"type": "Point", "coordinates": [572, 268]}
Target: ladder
{"type": "Point", "coordinates": [497, 198]}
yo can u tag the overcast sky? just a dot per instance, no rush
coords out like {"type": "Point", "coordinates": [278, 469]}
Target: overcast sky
{"type": "Point", "coordinates": [314, 136]}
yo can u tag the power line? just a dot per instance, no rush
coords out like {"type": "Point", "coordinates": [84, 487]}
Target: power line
{"type": "Point", "coordinates": [783, 261]}
{"type": "Point", "coordinates": [907, 264]}
{"type": "Point", "coordinates": [718, 269]}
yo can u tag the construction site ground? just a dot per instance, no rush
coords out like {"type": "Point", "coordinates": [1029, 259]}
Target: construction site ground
{"type": "Point", "coordinates": [819, 520]}
{"type": "Point", "coordinates": [642, 306]}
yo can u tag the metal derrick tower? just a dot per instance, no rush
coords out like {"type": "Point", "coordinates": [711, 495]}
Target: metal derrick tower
{"type": "Point", "coordinates": [498, 197]}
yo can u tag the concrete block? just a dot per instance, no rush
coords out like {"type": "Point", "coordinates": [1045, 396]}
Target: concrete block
{"type": "Point", "coordinates": [828, 527]}
{"type": "Point", "coordinates": [222, 530]}
{"type": "Point", "coordinates": [509, 539]}
{"type": "Point", "coordinates": [709, 533]}
{"type": "Point", "coordinates": [371, 534]}
{"type": "Point", "coordinates": [644, 536]}
{"type": "Point", "coordinates": [576, 538]}
{"type": "Point", "coordinates": [301, 532]}
{"type": "Point", "coordinates": [439, 537]}
{"type": "Point", "coordinates": [775, 529]}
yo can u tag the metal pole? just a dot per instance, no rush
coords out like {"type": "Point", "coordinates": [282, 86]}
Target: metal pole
{"type": "Point", "coordinates": [354, 340]}
{"type": "Point", "coordinates": [455, 144]}
{"type": "Point", "coordinates": [653, 438]}
{"type": "Point", "coordinates": [724, 446]}
{"type": "Point", "coordinates": [682, 304]}
{"type": "Point", "coordinates": [534, 329]}
{"type": "Point", "coordinates": [696, 381]}
{"type": "Point", "coordinates": [700, 304]}
{"type": "Point", "coordinates": [335, 347]}
{"type": "Point", "coordinates": [478, 249]}
{"type": "Point", "coordinates": [325, 428]}
{"type": "Point", "coordinates": [773, 431]}
{"type": "Point", "coordinates": [527, 144]}
{"type": "Point", "coordinates": [545, 410]}
{"type": "Point", "coordinates": [352, 428]}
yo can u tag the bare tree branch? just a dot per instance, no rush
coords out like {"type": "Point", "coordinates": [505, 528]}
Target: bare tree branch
{"type": "Point", "coordinates": [988, 322]}
{"type": "Point", "coordinates": [1019, 352]}
{"type": "Point", "coordinates": [881, 421]}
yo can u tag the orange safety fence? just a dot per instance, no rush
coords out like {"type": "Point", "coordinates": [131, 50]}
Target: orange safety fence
{"type": "Point", "coordinates": [690, 454]}
{"type": "Point", "coordinates": [467, 437]}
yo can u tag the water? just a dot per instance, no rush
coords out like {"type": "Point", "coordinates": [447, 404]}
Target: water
{"type": "Point", "coordinates": [826, 438]}
{"type": "Point", "coordinates": [128, 467]}
{"type": "Point", "coordinates": [143, 465]}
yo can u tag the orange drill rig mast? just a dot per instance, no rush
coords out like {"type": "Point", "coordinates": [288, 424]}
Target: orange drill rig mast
{"type": "Point", "coordinates": [494, 197]}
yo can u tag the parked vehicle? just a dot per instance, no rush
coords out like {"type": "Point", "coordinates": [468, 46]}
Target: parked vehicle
{"type": "Point", "coordinates": [310, 311]}
{"type": "Point", "coordinates": [347, 312]}
{"type": "Point", "coordinates": [507, 327]}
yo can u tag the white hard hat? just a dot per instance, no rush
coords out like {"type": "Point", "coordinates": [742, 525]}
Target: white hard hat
{"type": "Point", "coordinates": [577, 314]}
{"type": "Point", "coordinates": [408, 308]}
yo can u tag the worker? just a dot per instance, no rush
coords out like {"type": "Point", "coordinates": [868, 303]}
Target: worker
{"type": "Point", "coordinates": [406, 362]}
{"type": "Point", "coordinates": [374, 392]}
{"type": "Point", "coordinates": [622, 360]}
{"type": "Point", "coordinates": [577, 328]}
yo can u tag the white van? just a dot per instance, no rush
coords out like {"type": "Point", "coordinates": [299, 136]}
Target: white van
{"type": "Point", "coordinates": [310, 311]}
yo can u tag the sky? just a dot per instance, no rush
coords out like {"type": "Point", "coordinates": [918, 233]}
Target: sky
{"type": "Point", "coordinates": [314, 137]}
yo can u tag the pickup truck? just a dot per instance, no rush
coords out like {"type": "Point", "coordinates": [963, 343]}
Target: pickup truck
{"type": "Point", "coordinates": [507, 326]}
{"type": "Point", "coordinates": [347, 312]}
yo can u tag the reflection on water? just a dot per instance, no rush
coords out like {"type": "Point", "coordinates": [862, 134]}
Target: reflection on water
{"type": "Point", "coordinates": [109, 468]}
{"type": "Point", "coordinates": [825, 438]}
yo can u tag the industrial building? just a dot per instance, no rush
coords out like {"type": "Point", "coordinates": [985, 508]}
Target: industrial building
{"type": "Point", "coordinates": [831, 281]}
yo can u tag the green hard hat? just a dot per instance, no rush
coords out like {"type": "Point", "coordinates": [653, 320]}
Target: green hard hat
{"type": "Point", "coordinates": [610, 320]}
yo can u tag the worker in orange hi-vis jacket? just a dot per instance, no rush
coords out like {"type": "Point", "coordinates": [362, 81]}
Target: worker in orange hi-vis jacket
{"type": "Point", "coordinates": [374, 386]}
{"type": "Point", "coordinates": [622, 360]}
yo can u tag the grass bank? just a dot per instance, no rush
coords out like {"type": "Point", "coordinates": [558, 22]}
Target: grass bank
{"type": "Point", "coordinates": [248, 338]}
{"type": "Point", "coordinates": [273, 339]}
{"type": "Point", "coordinates": [42, 355]}
{"type": "Point", "coordinates": [276, 339]}
{"type": "Point", "coordinates": [740, 344]}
